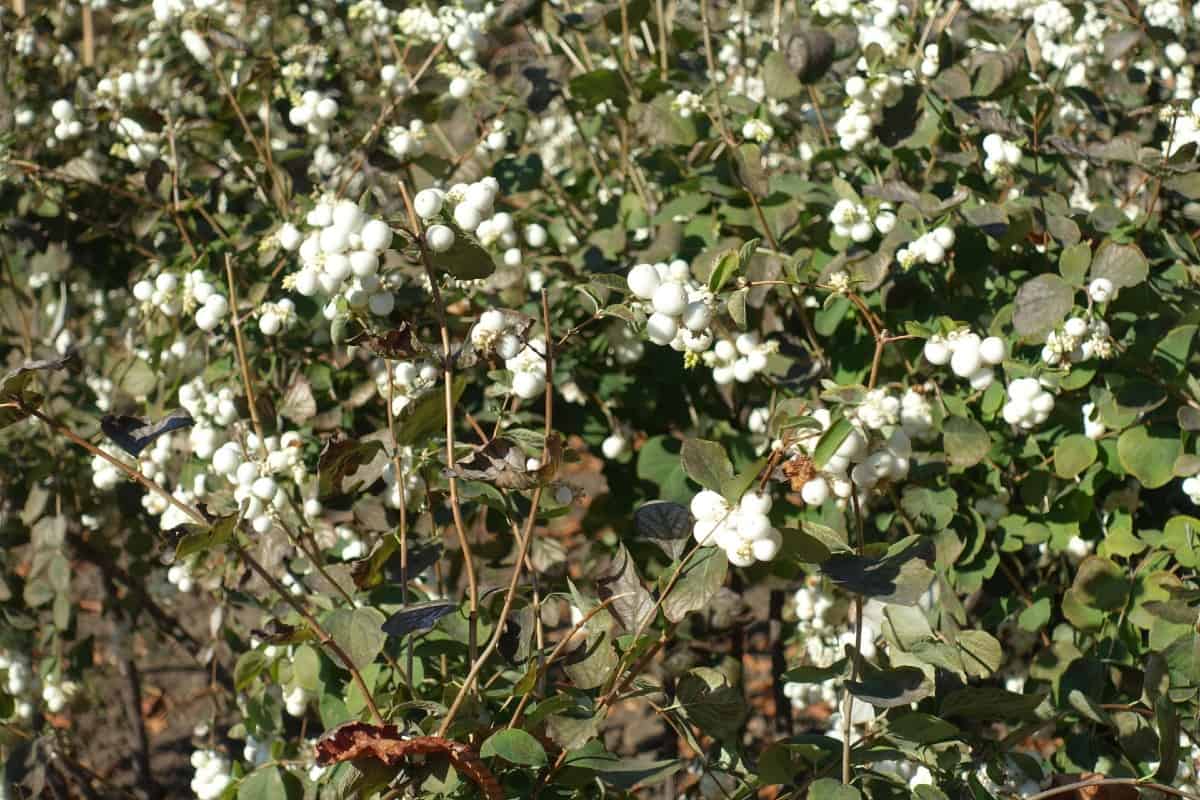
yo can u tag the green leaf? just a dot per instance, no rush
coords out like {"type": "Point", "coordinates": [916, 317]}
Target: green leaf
{"type": "Point", "coordinates": [888, 688]}
{"type": "Point", "coordinates": [306, 668]}
{"type": "Point", "coordinates": [205, 540]}
{"type": "Point", "coordinates": [989, 703]}
{"type": "Point", "coordinates": [830, 789]}
{"type": "Point", "coordinates": [724, 268]}
{"type": "Point", "coordinates": [901, 578]}
{"type": "Point", "coordinates": [699, 580]}
{"type": "Point", "coordinates": [1101, 584]}
{"type": "Point", "coordinates": [632, 604]}
{"type": "Point", "coordinates": [465, 259]}
{"type": "Point", "coordinates": [269, 783]}
{"type": "Point", "coordinates": [1041, 304]}
{"type": "Point", "coordinates": [922, 728]}
{"type": "Point", "coordinates": [1172, 351]}
{"type": "Point", "coordinates": [1074, 454]}
{"type": "Point", "coordinates": [981, 652]}
{"type": "Point", "coordinates": [248, 667]}
{"type": "Point", "coordinates": [1123, 264]}
{"type": "Point", "coordinates": [1149, 453]}
{"type": "Point", "coordinates": [593, 88]}
{"type": "Point", "coordinates": [515, 746]}
{"type": "Point", "coordinates": [658, 462]}
{"type": "Point", "coordinates": [359, 631]}
{"type": "Point", "coordinates": [427, 416]}
{"type": "Point", "coordinates": [780, 81]}
{"type": "Point", "coordinates": [710, 702]}
{"type": "Point", "coordinates": [830, 441]}
{"type": "Point", "coordinates": [1074, 261]}
{"type": "Point", "coordinates": [967, 442]}
{"type": "Point", "coordinates": [736, 305]}
{"type": "Point", "coordinates": [669, 525]}
{"type": "Point", "coordinates": [706, 463]}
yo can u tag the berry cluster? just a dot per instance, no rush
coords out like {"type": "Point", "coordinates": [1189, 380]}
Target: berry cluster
{"type": "Point", "coordinates": [744, 532]}
{"type": "Point", "coordinates": [340, 257]}
{"type": "Point", "coordinates": [1000, 156]}
{"type": "Point", "coordinates": [171, 299]}
{"type": "Point", "coordinates": [315, 112]}
{"type": "Point", "coordinates": [679, 307]}
{"type": "Point", "coordinates": [1077, 340]}
{"type": "Point", "coordinates": [852, 220]}
{"type": "Point", "coordinates": [1029, 405]}
{"type": "Point", "coordinates": [928, 248]}
{"type": "Point", "coordinates": [255, 470]}
{"type": "Point", "coordinates": [213, 774]}
{"type": "Point", "coordinates": [968, 355]}
{"type": "Point", "coordinates": [67, 126]}
{"type": "Point", "coordinates": [740, 359]}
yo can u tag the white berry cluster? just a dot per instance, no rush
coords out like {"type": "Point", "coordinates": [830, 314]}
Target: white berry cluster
{"type": "Point", "coordinates": [528, 368]}
{"type": "Point", "coordinates": [213, 774]}
{"type": "Point", "coordinates": [172, 297]}
{"type": "Point", "coordinates": [1093, 427]}
{"type": "Point", "coordinates": [256, 471]}
{"type": "Point", "coordinates": [411, 380]}
{"type": "Point", "coordinates": [928, 248]}
{"type": "Point", "coordinates": [66, 125]}
{"type": "Point", "coordinates": [916, 414]}
{"type": "Point", "coordinates": [969, 355]}
{"type": "Point", "coordinates": [931, 61]}
{"type": "Point", "coordinates": [1101, 290]}
{"type": "Point", "coordinates": [276, 317]}
{"type": "Point", "coordinates": [57, 694]}
{"type": "Point", "coordinates": [1000, 156]}
{"type": "Point", "coordinates": [1077, 340]}
{"type": "Point", "coordinates": [472, 208]}
{"type": "Point", "coordinates": [1028, 405]}
{"type": "Point", "coordinates": [406, 141]}
{"type": "Point", "coordinates": [852, 220]}
{"type": "Point", "coordinates": [824, 632]}
{"type": "Point", "coordinates": [740, 359]}
{"type": "Point", "coordinates": [340, 257]}
{"type": "Point", "coordinates": [866, 458]}
{"type": "Point", "coordinates": [687, 103]}
{"type": "Point", "coordinates": [315, 112]}
{"type": "Point", "coordinates": [296, 701]}
{"type": "Point", "coordinates": [743, 531]}
{"type": "Point", "coordinates": [869, 96]}
{"type": "Point", "coordinates": [757, 130]}
{"type": "Point", "coordinates": [212, 411]}
{"type": "Point", "coordinates": [349, 547]}
{"type": "Point", "coordinates": [1191, 487]}
{"type": "Point", "coordinates": [498, 332]}
{"type": "Point", "coordinates": [19, 682]}
{"type": "Point", "coordinates": [679, 307]}
{"type": "Point", "coordinates": [616, 445]}
{"type": "Point", "coordinates": [462, 28]}
{"type": "Point", "coordinates": [139, 145]}
{"type": "Point", "coordinates": [180, 576]}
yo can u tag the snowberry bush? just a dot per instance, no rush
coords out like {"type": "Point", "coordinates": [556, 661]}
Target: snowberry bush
{"type": "Point", "coordinates": [671, 398]}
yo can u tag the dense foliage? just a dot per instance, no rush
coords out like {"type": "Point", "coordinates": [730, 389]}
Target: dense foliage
{"type": "Point", "coordinates": [456, 388]}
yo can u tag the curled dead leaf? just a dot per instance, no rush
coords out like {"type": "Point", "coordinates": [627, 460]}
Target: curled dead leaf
{"type": "Point", "coordinates": [387, 744]}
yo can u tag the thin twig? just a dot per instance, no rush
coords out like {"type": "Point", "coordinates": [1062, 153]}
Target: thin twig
{"type": "Point", "coordinates": [247, 385]}
{"type": "Point", "coordinates": [448, 383]}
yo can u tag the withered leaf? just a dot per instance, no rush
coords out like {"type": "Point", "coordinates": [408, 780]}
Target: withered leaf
{"type": "Point", "coordinates": [386, 743]}
{"type": "Point", "coordinates": [400, 343]}
{"type": "Point", "coordinates": [502, 463]}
